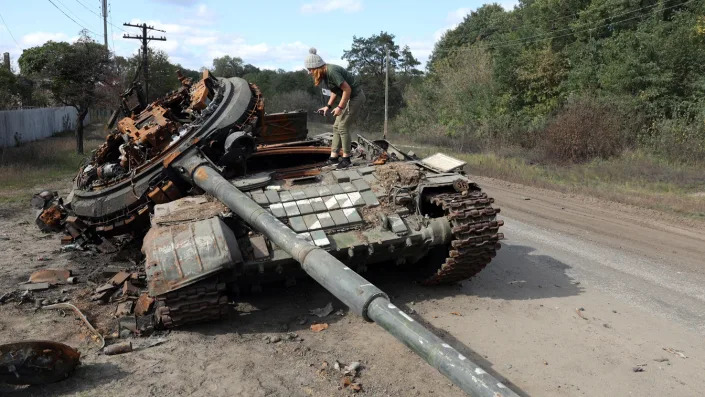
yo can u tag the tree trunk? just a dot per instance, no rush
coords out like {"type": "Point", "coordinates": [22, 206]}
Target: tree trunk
{"type": "Point", "coordinates": [82, 113]}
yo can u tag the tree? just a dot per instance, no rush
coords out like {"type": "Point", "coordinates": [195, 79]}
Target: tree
{"type": "Point", "coordinates": [162, 73]}
{"type": "Point", "coordinates": [366, 58]}
{"type": "Point", "coordinates": [227, 66]}
{"type": "Point", "coordinates": [71, 72]}
{"type": "Point", "coordinates": [407, 62]}
{"type": "Point", "coordinates": [9, 89]}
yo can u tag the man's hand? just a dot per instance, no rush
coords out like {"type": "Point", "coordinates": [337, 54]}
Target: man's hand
{"type": "Point", "coordinates": [337, 111]}
{"type": "Point", "coordinates": [323, 110]}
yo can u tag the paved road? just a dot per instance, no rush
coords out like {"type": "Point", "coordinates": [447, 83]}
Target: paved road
{"type": "Point", "coordinates": [638, 276]}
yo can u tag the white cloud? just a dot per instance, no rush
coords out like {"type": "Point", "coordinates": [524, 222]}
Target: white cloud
{"type": "Point", "coordinates": [39, 38]}
{"type": "Point", "coordinates": [458, 15]}
{"type": "Point", "coordinates": [320, 6]}
{"type": "Point", "coordinates": [420, 49]}
{"type": "Point", "coordinates": [194, 45]}
{"type": "Point", "coordinates": [204, 13]}
{"type": "Point", "coordinates": [453, 19]}
{"type": "Point", "coordinates": [509, 5]}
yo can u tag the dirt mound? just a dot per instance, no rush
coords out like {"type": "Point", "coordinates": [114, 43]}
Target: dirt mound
{"type": "Point", "coordinates": [398, 174]}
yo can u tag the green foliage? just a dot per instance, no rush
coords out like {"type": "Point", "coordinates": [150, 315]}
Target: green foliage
{"type": "Point", "coordinates": [162, 73]}
{"type": "Point", "coordinates": [227, 66]}
{"type": "Point", "coordinates": [558, 69]}
{"type": "Point", "coordinates": [366, 58]}
{"type": "Point", "coordinates": [9, 89]}
{"type": "Point", "coordinates": [71, 72]}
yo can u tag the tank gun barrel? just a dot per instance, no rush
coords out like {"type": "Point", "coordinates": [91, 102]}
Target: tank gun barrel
{"type": "Point", "coordinates": [356, 292]}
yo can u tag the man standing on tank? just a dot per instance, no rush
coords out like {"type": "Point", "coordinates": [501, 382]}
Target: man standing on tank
{"type": "Point", "coordinates": [342, 84]}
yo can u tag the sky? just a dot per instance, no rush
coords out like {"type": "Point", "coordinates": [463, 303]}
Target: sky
{"type": "Point", "coordinates": [267, 34]}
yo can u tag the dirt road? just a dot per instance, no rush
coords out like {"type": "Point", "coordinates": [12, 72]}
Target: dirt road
{"type": "Point", "coordinates": [582, 293]}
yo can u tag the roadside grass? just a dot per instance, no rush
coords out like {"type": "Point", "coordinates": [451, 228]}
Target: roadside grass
{"type": "Point", "coordinates": [634, 178]}
{"type": "Point", "coordinates": [47, 163]}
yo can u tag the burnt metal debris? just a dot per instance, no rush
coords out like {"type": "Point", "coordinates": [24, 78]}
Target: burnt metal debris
{"type": "Point", "coordinates": [232, 198]}
{"type": "Point", "coordinates": [36, 362]}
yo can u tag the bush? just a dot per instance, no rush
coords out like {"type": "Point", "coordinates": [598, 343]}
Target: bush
{"type": "Point", "coordinates": [583, 129]}
{"type": "Point", "coordinates": [678, 140]}
{"type": "Point", "coordinates": [455, 105]}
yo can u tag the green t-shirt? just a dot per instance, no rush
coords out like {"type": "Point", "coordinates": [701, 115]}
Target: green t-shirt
{"type": "Point", "coordinates": [336, 75]}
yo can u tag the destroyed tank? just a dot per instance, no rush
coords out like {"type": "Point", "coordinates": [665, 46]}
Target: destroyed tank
{"type": "Point", "coordinates": [232, 198]}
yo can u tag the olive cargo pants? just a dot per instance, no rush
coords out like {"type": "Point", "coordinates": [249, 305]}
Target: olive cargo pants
{"type": "Point", "coordinates": [341, 127]}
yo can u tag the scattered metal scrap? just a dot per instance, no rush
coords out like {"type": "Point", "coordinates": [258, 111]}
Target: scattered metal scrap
{"type": "Point", "coordinates": [50, 276]}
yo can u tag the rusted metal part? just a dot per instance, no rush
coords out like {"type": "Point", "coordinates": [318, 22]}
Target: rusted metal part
{"type": "Point", "coordinates": [119, 204]}
{"type": "Point", "coordinates": [118, 348]}
{"type": "Point", "coordinates": [284, 127]}
{"type": "Point", "coordinates": [297, 173]}
{"type": "Point", "coordinates": [143, 305]}
{"type": "Point", "coordinates": [165, 193]}
{"type": "Point", "coordinates": [51, 276]}
{"type": "Point", "coordinates": [381, 159]}
{"type": "Point", "coordinates": [50, 219]}
{"type": "Point", "coordinates": [200, 93]}
{"type": "Point", "coordinates": [36, 362]}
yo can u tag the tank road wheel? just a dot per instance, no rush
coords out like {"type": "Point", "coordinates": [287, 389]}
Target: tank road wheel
{"type": "Point", "coordinates": [475, 239]}
{"type": "Point", "coordinates": [197, 303]}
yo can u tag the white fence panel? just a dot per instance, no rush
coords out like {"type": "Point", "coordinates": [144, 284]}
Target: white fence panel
{"type": "Point", "coordinates": [25, 125]}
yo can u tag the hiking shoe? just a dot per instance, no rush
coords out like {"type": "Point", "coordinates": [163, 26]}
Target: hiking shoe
{"type": "Point", "coordinates": [332, 160]}
{"type": "Point", "coordinates": [344, 163]}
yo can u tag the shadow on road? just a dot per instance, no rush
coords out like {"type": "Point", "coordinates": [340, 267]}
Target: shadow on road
{"type": "Point", "coordinates": [87, 378]}
{"type": "Point", "coordinates": [517, 274]}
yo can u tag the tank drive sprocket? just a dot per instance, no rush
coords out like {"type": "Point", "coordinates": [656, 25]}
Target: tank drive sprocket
{"type": "Point", "coordinates": [475, 238]}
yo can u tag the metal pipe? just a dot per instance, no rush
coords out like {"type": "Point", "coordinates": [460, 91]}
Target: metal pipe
{"type": "Point", "coordinates": [352, 289]}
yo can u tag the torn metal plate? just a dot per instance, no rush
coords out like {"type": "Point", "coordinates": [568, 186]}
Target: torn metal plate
{"type": "Point", "coordinates": [443, 162]}
{"type": "Point", "coordinates": [180, 255]}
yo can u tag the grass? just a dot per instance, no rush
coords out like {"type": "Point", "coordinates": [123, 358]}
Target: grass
{"type": "Point", "coordinates": [33, 166]}
{"type": "Point", "coordinates": [632, 178]}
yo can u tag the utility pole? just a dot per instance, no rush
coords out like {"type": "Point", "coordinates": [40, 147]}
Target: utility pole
{"type": "Point", "coordinates": [145, 54]}
{"type": "Point", "coordinates": [105, 23]}
{"type": "Point", "coordinates": [386, 94]}
{"type": "Point", "coordinates": [6, 61]}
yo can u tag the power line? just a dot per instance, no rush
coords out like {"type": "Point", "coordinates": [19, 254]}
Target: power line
{"type": "Point", "coordinates": [67, 16]}
{"type": "Point", "coordinates": [8, 30]}
{"type": "Point", "coordinates": [145, 52]}
{"type": "Point", "coordinates": [505, 44]}
{"type": "Point", "coordinates": [99, 16]}
{"type": "Point", "coordinates": [528, 40]}
{"type": "Point", "coordinates": [603, 19]}
{"type": "Point", "coordinates": [70, 12]}
{"type": "Point", "coordinates": [112, 34]}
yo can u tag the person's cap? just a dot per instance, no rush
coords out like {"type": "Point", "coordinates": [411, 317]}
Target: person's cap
{"type": "Point", "coordinates": [313, 60]}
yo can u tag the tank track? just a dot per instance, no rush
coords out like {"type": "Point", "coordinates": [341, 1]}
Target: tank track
{"type": "Point", "coordinates": [203, 301]}
{"type": "Point", "coordinates": [475, 237]}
